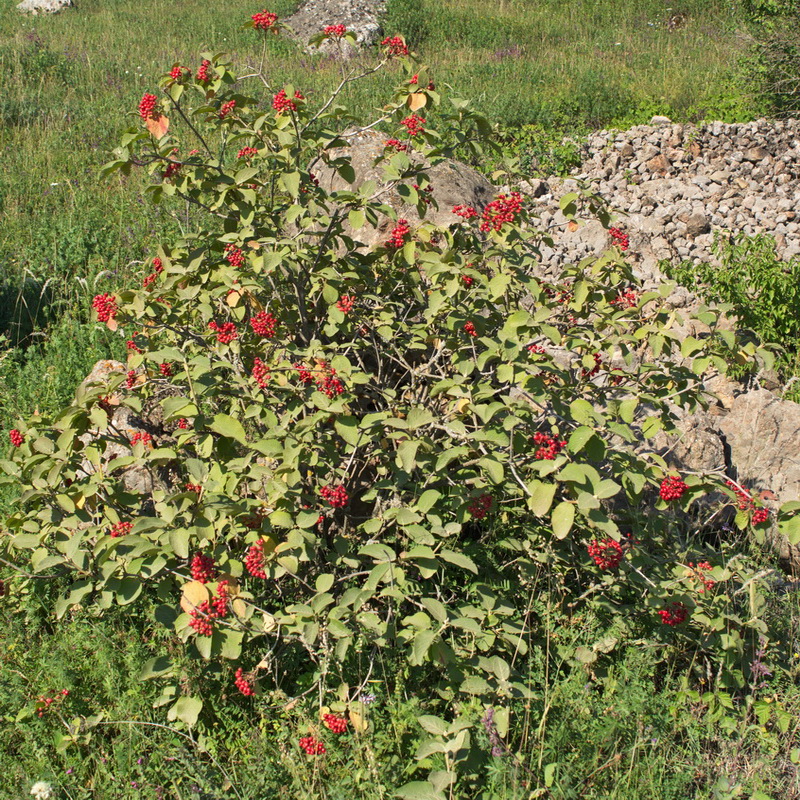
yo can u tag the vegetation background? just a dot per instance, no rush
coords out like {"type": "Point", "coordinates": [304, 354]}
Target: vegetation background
{"type": "Point", "coordinates": [544, 70]}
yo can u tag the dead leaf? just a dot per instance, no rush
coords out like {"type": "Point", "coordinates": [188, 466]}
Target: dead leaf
{"type": "Point", "coordinates": [417, 100]}
{"type": "Point", "coordinates": [358, 718]}
{"type": "Point", "coordinates": [193, 595]}
{"type": "Point", "coordinates": [233, 298]}
{"type": "Point", "coordinates": [157, 126]}
{"type": "Point", "coordinates": [112, 324]}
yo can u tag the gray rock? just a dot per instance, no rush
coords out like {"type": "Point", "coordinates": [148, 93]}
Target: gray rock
{"type": "Point", "coordinates": [44, 6]}
{"type": "Point", "coordinates": [659, 120]}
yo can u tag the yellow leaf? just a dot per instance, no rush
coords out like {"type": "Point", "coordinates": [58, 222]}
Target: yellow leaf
{"type": "Point", "coordinates": [358, 719]}
{"type": "Point", "coordinates": [233, 298]}
{"type": "Point", "coordinates": [158, 127]}
{"type": "Point", "coordinates": [193, 595]}
{"type": "Point", "coordinates": [417, 100]}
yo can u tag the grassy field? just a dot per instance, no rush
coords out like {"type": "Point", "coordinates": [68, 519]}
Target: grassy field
{"type": "Point", "coordinates": [71, 84]}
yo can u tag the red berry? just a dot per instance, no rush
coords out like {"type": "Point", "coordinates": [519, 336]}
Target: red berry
{"type": "Point", "coordinates": [243, 685]}
{"type": "Point", "coordinates": [264, 324]}
{"type": "Point", "coordinates": [479, 507]}
{"type": "Point", "coordinates": [226, 332]}
{"type": "Point", "coordinates": [120, 529]}
{"type": "Point", "coordinates": [336, 495]}
{"type": "Point", "coordinates": [204, 71]}
{"type": "Point", "coordinates": [147, 107]}
{"type": "Point", "coordinates": [260, 373]}
{"type": "Point", "coordinates": [395, 46]}
{"type": "Point", "coordinates": [398, 235]}
{"type": "Point", "coordinates": [247, 152]}
{"type": "Point", "coordinates": [674, 614]}
{"type": "Point", "coordinates": [226, 109]}
{"type": "Point", "coordinates": [466, 212]}
{"type": "Point", "coordinates": [395, 144]}
{"type": "Point", "coordinates": [469, 328]}
{"type": "Point", "coordinates": [16, 437]}
{"type": "Point", "coordinates": [264, 20]}
{"type": "Point", "coordinates": [502, 210]}
{"type": "Point", "coordinates": [606, 553]}
{"type": "Point", "coordinates": [254, 560]}
{"type": "Point", "coordinates": [165, 369]}
{"type": "Point", "coordinates": [334, 723]}
{"type": "Point", "coordinates": [312, 746]}
{"type": "Point", "coordinates": [183, 423]}
{"type": "Point", "coordinates": [335, 30]}
{"type": "Point", "coordinates": [414, 125]}
{"type": "Point", "coordinates": [281, 103]}
{"type": "Point", "coordinates": [672, 488]}
{"type": "Point", "coordinates": [549, 447]}
{"type": "Point", "coordinates": [345, 303]}
{"type": "Point", "coordinates": [760, 515]}
{"type": "Point", "coordinates": [106, 306]}
{"type": "Point", "coordinates": [203, 568]}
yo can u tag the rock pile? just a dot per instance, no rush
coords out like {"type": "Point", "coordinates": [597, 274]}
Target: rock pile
{"type": "Point", "coordinates": [361, 17]}
{"type": "Point", "coordinates": [678, 184]}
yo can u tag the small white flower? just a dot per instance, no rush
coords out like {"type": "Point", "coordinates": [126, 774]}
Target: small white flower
{"type": "Point", "coordinates": [42, 790]}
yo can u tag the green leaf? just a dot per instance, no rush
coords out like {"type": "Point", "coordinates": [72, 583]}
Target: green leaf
{"type": "Point", "coordinates": [407, 453]}
{"type": "Point", "coordinates": [579, 438]}
{"type": "Point", "coordinates": [562, 518]}
{"type": "Point", "coordinates": [347, 428]}
{"type": "Point", "coordinates": [541, 498]}
{"type": "Point", "coordinates": [427, 500]}
{"type": "Point", "coordinates": [187, 709]}
{"type": "Point", "coordinates": [435, 725]}
{"type": "Point", "coordinates": [228, 426]}
{"type": "Point", "coordinates": [459, 559]}
{"type": "Point", "coordinates": [419, 790]}
{"type": "Point", "coordinates": [155, 668]}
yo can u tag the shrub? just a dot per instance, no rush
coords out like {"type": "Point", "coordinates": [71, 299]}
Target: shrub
{"type": "Point", "coordinates": [762, 290]}
{"type": "Point", "coordinates": [344, 454]}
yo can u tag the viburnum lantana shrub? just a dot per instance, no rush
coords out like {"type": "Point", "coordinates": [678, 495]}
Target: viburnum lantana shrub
{"type": "Point", "coordinates": [358, 450]}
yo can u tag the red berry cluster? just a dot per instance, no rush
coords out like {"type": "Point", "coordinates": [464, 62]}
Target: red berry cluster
{"type": "Point", "coordinates": [247, 152]}
{"type": "Point", "coordinates": [606, 553]}
{"type": "Point", "coordinates": [16, 437]}
{"type": "Point", "coordinates": [183, 424]}
{"type": "Point", "coordinates": [204, 71]}
{"type": "Point", "coordinates": [203, 616]}
{"type": "Point", "coordinates": [336, 495]}
{"type": "Point", "coordinates": [260, 373]}
{"type": "Point", "coordinates": [194, 488]}
{"type": "Point", "coordinates": [674, 614]}
{"type": "Point", "coordinates": [536, 349]}
{"type": "Point", "coordinates": [467, 280]}
{"type": "Point", "coordinates": [131, 345]}
{"type": "Point", "coordinates": [140, 436]}
{"type": "Point", "coordinates": [745, 502]}
{"type": "Point", "coordinates": [106, 306]}
{"type": "Point", "coordinates": [264, 324]}
{"type": "Point", "coordinates": [590, 373]}
{"type": "Point", "coordinates": [760, 516]}
{"type": "Point", "coordinates": [627, 299]}
{"type": "Point", "coordinates": [203, 567]}
{"type": "Point", "coordinates": [469, 328]}
{"type": "Point", "coordinates": [281, 103]}
{"type": "Point", "coordinates": [254, 560]}
{"type": "Point", "coordinates": [699, 571]}
{"type": "Point", "coordinates": [178, 73]}
{"type": "Point", "coordinates": [334, 723]}
{"type": "Point", "coordinates": [503, 209]}
{"type": "Point", "coordinates": [414, 125]}
{"type": "Point", "coordinates": [466, 212]}
{"type": "Point", "coordinates": [425, 194]}
{"type": "Point", "coordinates": [165, 369]}
{"type": "Point", "coordinates": [158, 268]}
{"type": "Point", "coordinates": [549, 447]}
{"type": "Point", "coordinates": [324, 377]}
{"type": "Point", "coordinates": [672, 488]}
{"type": "Point", "coordinates": [334, 30]}
{"type": "Point", "coordinates": [48, 701]}
{"type": "Point", "coordinates": [226, 332]}
{"type": "Point", "coordinates": [345, 303]}
{"type": "Point", "coordinates": [173, 168]}
{"type": "Point", "coordinates": [479, 507]}
{"type": "Point", "coordinates": [395, 46]}
{"type": "Point", "coordinates": [120, 529]}
{"type": "Point", "coordinates": [263, 20]}
{"type": "Point", "coordinates": [312, 746]}
{"type": "Point", "coordinates": [398, 235]}
{"type": "Point", "coordinates": [395, 144]}
{"type": "Point", "coordinates": [244, 685]}
{"type": "Point", "coordinates": [147, 107]}
{"type": "Point", "coordinates": [227, 108]}
{"type": "Point", "coordinates": [620, 238]}
{"type": "Point", "coordinates": [130, 379]}
{"type": "Point", "coordinates": [233, 255]}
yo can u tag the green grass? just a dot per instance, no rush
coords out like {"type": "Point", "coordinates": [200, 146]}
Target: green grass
{"type": "Point", "coordinates": [620, 730]}
{"type": "Point", "coordinates": [71, 84]}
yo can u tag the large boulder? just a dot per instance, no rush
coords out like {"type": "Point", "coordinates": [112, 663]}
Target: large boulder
{"type": "Point", "coordinates": [453, 184]}
{"type": "Point", "coordinates": [360, 17]}
{"type": "Point", "coordinates": [44, 6]}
